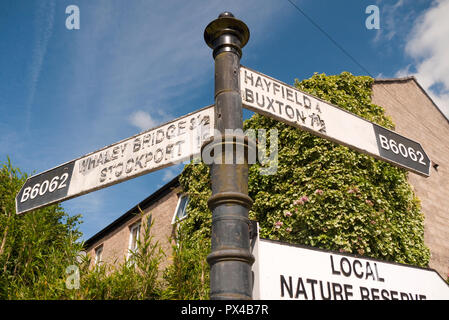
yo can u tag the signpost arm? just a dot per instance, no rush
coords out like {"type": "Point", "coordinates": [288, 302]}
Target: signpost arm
{"type": "Point", "coordinates": [230, 259]}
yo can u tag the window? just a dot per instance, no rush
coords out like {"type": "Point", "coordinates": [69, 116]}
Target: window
{"type": "Point", "coordinates": [134, 235]}
{"type": "Point", "coordinates": [98, 255]}
{"type": "Point", "coordinates": [181, 209]}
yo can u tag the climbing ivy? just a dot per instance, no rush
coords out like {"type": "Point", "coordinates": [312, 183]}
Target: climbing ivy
{"type": "Point", "coordinates": [323, 194]}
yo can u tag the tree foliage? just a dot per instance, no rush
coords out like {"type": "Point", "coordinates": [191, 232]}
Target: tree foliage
{"type": "Point", "coordinates": [40, 251]}
{"type": "Point", "coordinates": [137, 278]}
{"type": "Point", "coordinates": [187, 277]}
{"type": "Point", "coordinates": [36, 248]}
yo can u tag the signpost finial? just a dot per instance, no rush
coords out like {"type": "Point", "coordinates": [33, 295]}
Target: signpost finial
{"type": "Point", "coordinates": [226, 33]}
{"type": "Point", "coordinates": [230, 259]}
{"type": "Point", "coordinates": [226, 14]}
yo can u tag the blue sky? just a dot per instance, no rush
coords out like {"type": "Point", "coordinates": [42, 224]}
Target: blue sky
{"type": "Point", "coordinates": [134, 64]}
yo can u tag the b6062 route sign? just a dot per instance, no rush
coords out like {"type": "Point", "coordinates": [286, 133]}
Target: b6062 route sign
{"type": "Point", "coordinates": [277, 100]}
{"type": "Point", "coordinates": [145, 152]}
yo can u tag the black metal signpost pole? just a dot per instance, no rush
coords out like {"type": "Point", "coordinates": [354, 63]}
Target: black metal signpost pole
{"type": "Point", "coordinates": [230, 259]}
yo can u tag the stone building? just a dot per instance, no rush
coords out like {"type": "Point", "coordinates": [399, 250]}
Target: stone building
{"type": "Point", "coordinates": [162, 208]}
{"type": "Point", "coordinates": [416, 116]}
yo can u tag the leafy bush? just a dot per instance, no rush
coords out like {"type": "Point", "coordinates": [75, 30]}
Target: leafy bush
{"type": "Point", "coordinates": [187, 277]}
{"type": "Point", "coordinates": [35, 248]}
{"type": "Point", "coordinates": [137, 278]}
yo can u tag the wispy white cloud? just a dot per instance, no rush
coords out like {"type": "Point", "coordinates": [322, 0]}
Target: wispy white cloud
{"type": "Point", "coordinates": [142, 120]}
{"type": "Point", "coordinates": [428, 45]}
{"type": "Point", "coordinates": [44, 21]}
{"type": "Point", "coordinates": [137, 64]}
{"type": "Point", "coordinates": [91, 202]}
{"type": "Point", "coordinates": [404, 72]}
{"type": "Point", "coordinates": [144, 57]}
{"type": "Point", "coordinates": [94, 210]}
{"type": "Point", "coordinates": [10, 141]}
{"type": "Point", "coordinates": [389, 26]}
{"type": "Point", "coordinates": [170, 173]}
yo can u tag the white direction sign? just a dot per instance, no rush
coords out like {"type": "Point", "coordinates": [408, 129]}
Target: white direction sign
{"type": "Point", "coordinates": [288, 272]}
{"type": "Point", "coordinates": [275, 99]}
{"type": "Point", "coordinates": [151, 150]}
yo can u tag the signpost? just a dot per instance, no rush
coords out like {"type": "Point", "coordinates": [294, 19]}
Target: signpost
{"type": "Point", "coordinates": [277, 100]}
{"type": "Point", "coordinates": [289, 272]}
{"type": "Point", "coordinates": [230, 259]}
{"type": "Point", "coordinates": [281, 271]}
{"type": "Point", "coordinates": [145, 152]}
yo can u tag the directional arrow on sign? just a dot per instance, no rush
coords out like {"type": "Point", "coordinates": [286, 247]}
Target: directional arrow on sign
{"type": "Point", "coordinates": [151, 150]}
{"type": "Point", "coordinates": [275, 99]}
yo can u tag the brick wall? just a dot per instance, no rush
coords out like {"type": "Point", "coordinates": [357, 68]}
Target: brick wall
{"type": "Point", "coordinates": [115, 244]}
{"type": "Point", "coordinates": [418, 119]}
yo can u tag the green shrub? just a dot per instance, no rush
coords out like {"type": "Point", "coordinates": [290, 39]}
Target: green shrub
{"type": "Point", "coordinates": [35, 248]}
{"type": "Point", "coordinates": [137, 278]}
{"type": "Point", "coordinates": [187, 277]}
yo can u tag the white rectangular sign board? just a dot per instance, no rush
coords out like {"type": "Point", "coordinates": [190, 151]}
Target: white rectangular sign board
{"type": "Point", "coordinates": [288, 272]}
{"type": "Point", "coordinates": [277, 100]}
{"type": "Point", "coordinates": [151, 150]}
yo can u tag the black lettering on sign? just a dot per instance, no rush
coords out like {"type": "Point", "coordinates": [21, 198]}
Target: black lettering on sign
{"type": "Point", "coordinates": [375, 293]}
{"type": "Point", "coordinates": [290, 112]}
{"type": "Point", "coordinates": [259, 83]}
{"type": "Point", "coordinates": [267, 84]}
{"type": "Point", "coordinates": [260, 102]}
{"type": "Point", "coordinates": [45, 188]}
{"type": "Point", "coordinates": [286, 286]}
{"type": "Point", "coordinates": [327, 296]}
{"type": "Point", "coordinates": [270, 105]}
{"type": "Point", "coordinates": [337, 290]}
{"type": "Point", "coordinates": [369, 272]}
{"type": "Point", "coordinates": [249, 78]}
{"type": "Point", "coordinates": [343, 266]}
{"type": "Point", "coordinates": [401, 150]}
{"type": "Point", "coordinates": [307, 102]}
{"type": "Point", "coordinates": [364, 293]}
{"type": "Point", "coordinates": [333, 267]}
{"type": "Point", "coordinates": [357, 269]}
{"type": "Point", "coordinates": [300, 289]}
{"type": "Point", "coordinates": [248, 97]}
{"type": "Point", "coordinates": [385, 294]}
{"type": "Point", "coordinates": [312, 285]}
{"type": "Point", "coordinates": [348, 291]}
